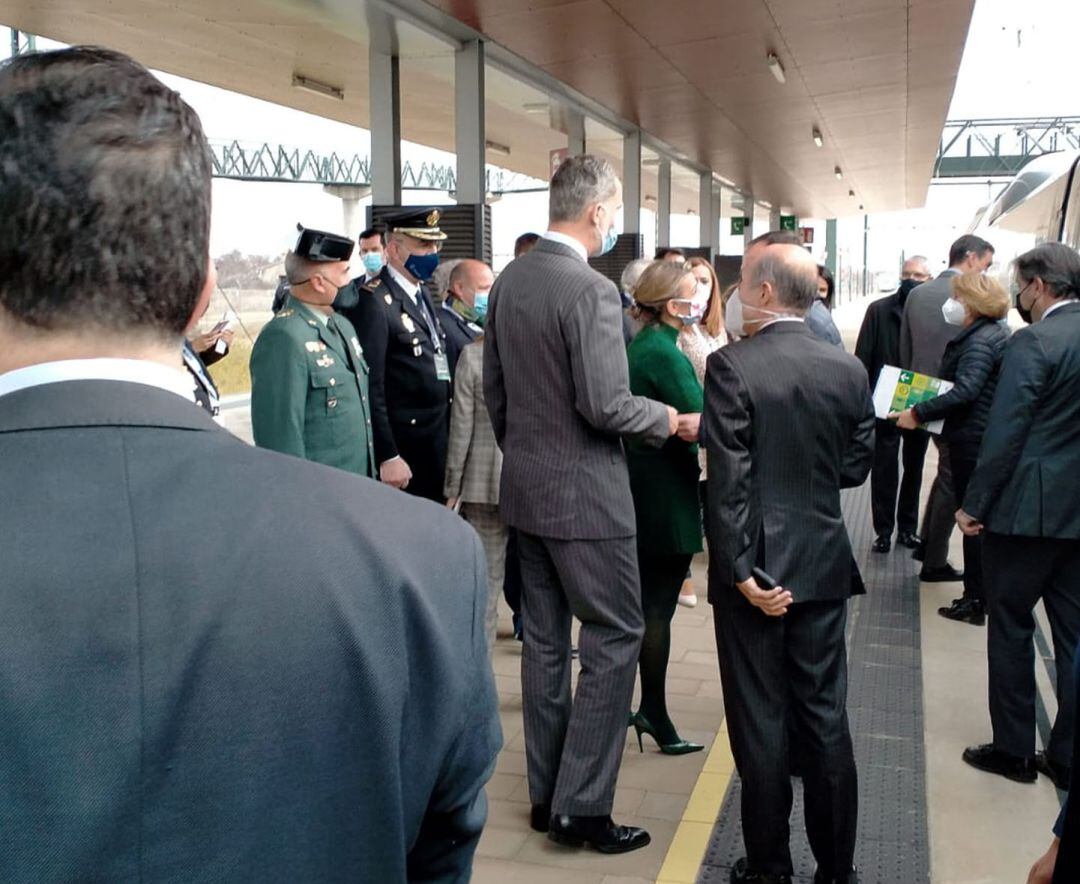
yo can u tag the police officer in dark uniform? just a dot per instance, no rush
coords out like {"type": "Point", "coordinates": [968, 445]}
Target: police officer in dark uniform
{"type": "Point", "coordinates": [309, 380]}
{"type": "Point", "coordinates": [465, 306]}
{"type": "Point", "coordinates": [404, 344]}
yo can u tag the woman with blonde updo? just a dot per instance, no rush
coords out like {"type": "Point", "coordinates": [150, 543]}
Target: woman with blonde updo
{"type": "Point", "coordinates": [664, 482]}
{"type": "Point", "coordinates": [972, 361]}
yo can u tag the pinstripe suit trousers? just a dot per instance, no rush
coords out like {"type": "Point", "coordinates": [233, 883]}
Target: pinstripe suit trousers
{"type": "Point", "coordinates": [574, 742]}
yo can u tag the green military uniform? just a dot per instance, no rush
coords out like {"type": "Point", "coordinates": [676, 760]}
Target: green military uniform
{"type": "Point", "coordinates": [309, 390]}
{"type": "Point", "coordinates": [664, 481]}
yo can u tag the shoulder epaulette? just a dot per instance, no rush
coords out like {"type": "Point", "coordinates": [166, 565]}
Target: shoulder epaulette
{"type": "Point", "coordinates": [284, 314]}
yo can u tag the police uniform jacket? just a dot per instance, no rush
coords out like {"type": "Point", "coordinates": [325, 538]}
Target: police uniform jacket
{"type": "Point", "coordinates": [309, 390]}
{"type": "Point", "coordinates": [408, 400]}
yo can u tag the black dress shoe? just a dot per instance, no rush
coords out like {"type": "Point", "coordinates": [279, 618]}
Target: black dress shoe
{"type": "Point", "coordinates": [597, 832]}
{"type": "Point", "coordinates": [882, 543]}
{"type": "Point", "coordinates": [965, 611]}
{"type": "Point", "coordinates": [741, 873]}
{"type": "Point", "coordinates": [911, 541]}
{"type": "Point", "coordinates": [851, 877]}
{"type": "Point", "coordinates": [945, 574]}
{"type": "Point", "coordinates": [1012, 767]}
{"type": "Point", "coordinates": [540, 817]}
{"type": "Point", "coordinates": [1059, 774]}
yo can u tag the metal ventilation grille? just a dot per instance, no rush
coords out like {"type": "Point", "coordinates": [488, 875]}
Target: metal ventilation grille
{"type": "Point", "coordinates": [627, 247]}
{"type": "Point", "coordinates": [467, 229]}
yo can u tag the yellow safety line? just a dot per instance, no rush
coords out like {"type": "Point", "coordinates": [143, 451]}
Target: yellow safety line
{"type": "Point", "coordinates": [687, 850]}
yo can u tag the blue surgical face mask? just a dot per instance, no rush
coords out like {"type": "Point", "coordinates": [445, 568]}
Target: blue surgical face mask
{"type": "Point", "coordinates": [610, 237]}
{"type": "Point", "coordinates": [480, 305]}
{"type": "Point", "coordinates": [372, 261]}
{"type": "Point", "coordinates": [422, 266]}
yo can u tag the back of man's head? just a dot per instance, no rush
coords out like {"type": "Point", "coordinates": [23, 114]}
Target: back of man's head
{"type": "Point", "coordinates": [776, 238]}
{"type": "Point", "coordinates": [580, 182]}
{"type": "Point", "coordinates": [104, 196]}
{"type": "Point", "coordinates": [965, 245]}
{"type": "Point", "coordinates": [793, 274]}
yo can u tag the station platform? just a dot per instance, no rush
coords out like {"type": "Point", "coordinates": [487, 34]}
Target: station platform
{"type": "Point", "coordinates": [917, 698]}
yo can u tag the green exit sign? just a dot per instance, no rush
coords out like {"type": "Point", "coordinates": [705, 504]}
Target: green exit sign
{"type": "Point", "coordinates": [787, 222]}
{"type": "Point", "coordinates": [738, 226]}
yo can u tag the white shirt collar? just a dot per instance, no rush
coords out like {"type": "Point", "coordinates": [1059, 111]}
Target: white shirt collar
{"type": "Point", "coordinates": [136, 371]}
{"type": "Point", "coordinates": [412, 289]}
{"type": "Point", "coordinates": [564, 240]}
{"type": "Point", "coordinates": [1055, 305]}
{"type": "Point", "coordinates": [782, 319]}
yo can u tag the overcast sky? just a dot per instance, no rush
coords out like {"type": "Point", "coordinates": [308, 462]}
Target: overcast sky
{"type": "Point", "coordinates": [1020, 60]}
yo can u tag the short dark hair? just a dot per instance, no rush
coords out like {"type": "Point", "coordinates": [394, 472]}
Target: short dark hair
{"type": "Point", "coordinates": [664, 251]}
{"type": "Point", "coordinates": [525, 243]}
{"type": "Point", "coordinates": [1054, 263]}
{"type": "Point", "coordinates": [776, 238]}
{"type": "Point", "coordinates": [104, 195]}
{"type": "Point", "coordinates": [968, 243]}
{"type": "Point", "coordinates": [378, 230]}
{"type": "Point", "coordinates": [825, 273]}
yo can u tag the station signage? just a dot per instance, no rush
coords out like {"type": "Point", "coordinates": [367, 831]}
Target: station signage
{"type": "Point", "coordinates": [738, 225]}
{"type": "Point", "coordinates": [787, 222]}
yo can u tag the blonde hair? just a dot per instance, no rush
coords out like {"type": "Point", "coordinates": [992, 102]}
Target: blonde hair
{"type": "Point", "coordinates": [658, 284]}
{"type": "Point", "coordinates": [713, 320]}
{"type": "Point", "coordinates": [982, 295]}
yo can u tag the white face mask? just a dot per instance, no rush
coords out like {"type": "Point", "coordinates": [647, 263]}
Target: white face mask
{"type": "Point", "coordinates": [733, 316]}
{"type": "Point", "coordinates": [701, 293]}
{"type": "Point", "coordinates": [954, 312]}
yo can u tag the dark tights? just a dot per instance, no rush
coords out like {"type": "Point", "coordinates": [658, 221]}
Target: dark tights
{"type": "Point", "coordinates": [661, 577]}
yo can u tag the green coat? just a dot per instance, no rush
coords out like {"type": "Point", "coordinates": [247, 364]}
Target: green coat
{"type": "Point", "coordinates": [309, 390]}
{"type": "Point", "coordinates": [664, 481]}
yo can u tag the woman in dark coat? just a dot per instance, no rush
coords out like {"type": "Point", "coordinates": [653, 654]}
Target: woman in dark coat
{"type": "Point", "coordinates": [664, 483]}
{"type": "Point", "coordinates": [972, 361]}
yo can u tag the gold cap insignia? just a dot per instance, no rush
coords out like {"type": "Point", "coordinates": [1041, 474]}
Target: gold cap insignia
{"type": "Point", "coordinates": [433, 217]}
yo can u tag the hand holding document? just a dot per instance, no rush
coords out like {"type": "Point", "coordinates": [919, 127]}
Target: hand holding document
{"type": "Point", "coordinates": [899, 389]}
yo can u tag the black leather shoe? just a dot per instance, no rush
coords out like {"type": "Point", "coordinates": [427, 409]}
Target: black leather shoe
{"type": "Point", "coordinates": [597, 832]}
{"type": "Point", "coordinates": [882, 544]}
{"type": "Point", "coordinates": [965, 611]}
{"type": "Point", "coordinates": [911, 541]}
{"type": "Point", "coordinates": [851, 877]}
{"type": "Point", "coordinates": [945, 574]}
{"type": "Point", "coordinates": [741, 873]}
{"type": "Point", "coordinates": [1059, 774]}
{"type": "Point", "coordinates": [540, 817]}
{"type": "Point", "coordinates": [1012, 767]}
{"type": "Point", "coordinates": [918, 553]}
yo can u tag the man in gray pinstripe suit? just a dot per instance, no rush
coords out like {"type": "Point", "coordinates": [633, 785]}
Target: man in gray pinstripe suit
{"type": "Point", "coordinates": [788, 422]}
{"type": "Point", "coordinates": [556, 386]}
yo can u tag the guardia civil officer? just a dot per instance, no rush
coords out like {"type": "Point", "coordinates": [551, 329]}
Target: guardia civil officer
{"type": "Point", "coordinates": [404, 344]}
{"type": "Point", "coordinates": [309, 380]}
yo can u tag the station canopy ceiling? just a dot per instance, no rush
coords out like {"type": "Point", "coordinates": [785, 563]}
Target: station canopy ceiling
{"type": "Point", "coordinates": [874, 77]}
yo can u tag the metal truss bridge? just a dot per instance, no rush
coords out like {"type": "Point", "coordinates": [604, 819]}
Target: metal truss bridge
{"type": "Point", "coordinates": [1000, 148]}
{"type": "Point", "coordinates": [278, 162]}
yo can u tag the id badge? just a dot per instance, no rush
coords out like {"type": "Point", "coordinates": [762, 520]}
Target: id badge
{"type": "Point", "coordinates": [442, 367]}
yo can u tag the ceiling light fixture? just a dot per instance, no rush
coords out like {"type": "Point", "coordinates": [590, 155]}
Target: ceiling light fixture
{"type": "Point", "coordinates": [860, 207]}
{"type": "Point", "coordinates": [536, 107]}
{"type": "Point", "coordinates": [495, 147]}
{"type": "Point", "coordinates": [776, 68]}
{"type": "Point", "coordinates": [306, 84]}
{"type": "Point", "coordinates": [851, 193]}
{"type": "Point", "coordinates": [818, 140]}
{"type": "Point", "coordinates": [838, 172]}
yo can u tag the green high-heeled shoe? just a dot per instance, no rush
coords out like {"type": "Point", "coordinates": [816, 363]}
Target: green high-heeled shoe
{"type": "Point", "coordinates": [642, 725]}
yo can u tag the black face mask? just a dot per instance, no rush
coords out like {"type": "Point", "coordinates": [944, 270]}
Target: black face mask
{"type": "Point", "coordinates": [1025, 313]}
{"type": "Point", "coordinates": [905, 289]}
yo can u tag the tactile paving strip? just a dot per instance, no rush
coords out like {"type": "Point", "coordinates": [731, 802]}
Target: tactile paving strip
{"type": "Point", "coordinates": [885, 711]}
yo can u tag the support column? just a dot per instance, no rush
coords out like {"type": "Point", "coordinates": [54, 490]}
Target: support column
{"type": "Point", "coordinates": [718, 207]}
{"type": "Point", "coordinates": [748, 213]}
{"type": "Point", "coordinates": [707, 234]}
{"type": "Point", "coordinates": [774, 218]}
{"type": "Point", "coordinates": [663, 204]}
{"type": "Point", "coordinates": [575, 133]}
{"type": "Point", "coordinates": [631, 182]}
{"type": "Point", "coordinates": [831, 260]}
{"type": "Point", "coordinates": [385, 104]}
{"type": "Point", "coordinates": [350, 196]}
{"type": "Point", "coordinates": [469, 123]}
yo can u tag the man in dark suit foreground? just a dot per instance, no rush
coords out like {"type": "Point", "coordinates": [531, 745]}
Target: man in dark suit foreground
{"type": "Point", "coordinates": [277, 686]}
{"type": "Point", "coordinates": [557, 388]}
{"type": "Point", "coordinates": [788, 422]}
{"type": "Point", "coordinates": [1024, 494]}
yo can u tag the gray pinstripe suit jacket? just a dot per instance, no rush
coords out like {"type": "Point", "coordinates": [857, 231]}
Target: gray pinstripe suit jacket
{"type": "Point", "coordinates": [473, 459]}
{"type": "Point", "coordinates": [558, 392]}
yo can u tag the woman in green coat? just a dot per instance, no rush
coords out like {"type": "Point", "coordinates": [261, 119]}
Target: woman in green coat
{"type": "Point", "coordinates": [664, 483]}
